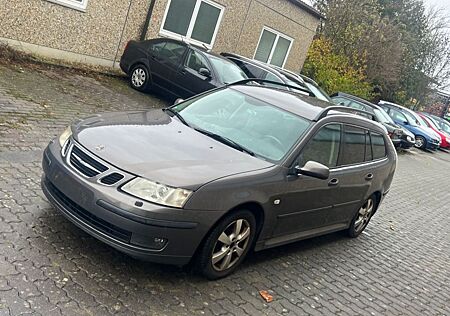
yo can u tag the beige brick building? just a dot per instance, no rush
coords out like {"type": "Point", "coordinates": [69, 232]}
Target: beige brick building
{"type": "Point", "coordinates": [96, 31]}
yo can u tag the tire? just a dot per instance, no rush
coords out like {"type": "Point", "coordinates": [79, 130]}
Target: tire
{"type": "Point", "coordinates": [139, 78]}
{"type": "Point", "coordinates": [362, 217]}
{"type": "Point", "coordinates": [420, 142]}
{"type": "Point", "coordinates": [230, 252]}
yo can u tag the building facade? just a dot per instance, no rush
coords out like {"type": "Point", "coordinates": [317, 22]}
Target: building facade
{"type": "Point", "coordinates": [96, 31]}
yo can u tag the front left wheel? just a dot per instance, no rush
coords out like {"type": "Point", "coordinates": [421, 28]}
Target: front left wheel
{"type": "Point", "coordinates": [227, 245]}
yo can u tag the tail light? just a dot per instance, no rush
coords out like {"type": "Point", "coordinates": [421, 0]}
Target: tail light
{"type": "Point", "coordinates": [126, 46]}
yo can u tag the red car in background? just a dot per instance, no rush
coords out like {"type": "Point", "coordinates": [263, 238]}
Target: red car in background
{"type": "Point", "coordinates": [445, 138]}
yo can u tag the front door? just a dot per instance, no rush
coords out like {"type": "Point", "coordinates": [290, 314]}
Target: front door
{"type": "Point", "coordinates": [188, 79]}
{"type": "Point", "coordinates": [308, 202]}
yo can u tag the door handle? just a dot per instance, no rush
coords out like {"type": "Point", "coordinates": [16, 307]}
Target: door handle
{"type": "Point", "coordinates": [333, 182]}
{"type": "Point", "coordinates": [369, 176]}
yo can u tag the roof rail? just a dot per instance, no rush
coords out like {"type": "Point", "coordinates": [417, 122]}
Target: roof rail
{"type": "Point", "coordinates": [249, 80]}
{"type": "Point", "coordinates": [325, 112]}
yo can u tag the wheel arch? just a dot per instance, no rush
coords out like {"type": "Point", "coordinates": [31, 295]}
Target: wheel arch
{"type": "Point", "coordinates": [254, 207]}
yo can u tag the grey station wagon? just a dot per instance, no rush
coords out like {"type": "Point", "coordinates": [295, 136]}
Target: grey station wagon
{"type": "Point", "coordinates": [241, 167]}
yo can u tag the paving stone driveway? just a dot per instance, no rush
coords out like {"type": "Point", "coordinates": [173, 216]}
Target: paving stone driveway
{"type": "Point", "coordinates": [399, 266]}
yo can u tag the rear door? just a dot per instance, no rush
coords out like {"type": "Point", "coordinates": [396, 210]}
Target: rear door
{"type": "Point", "coordinates": [165, 59]}
{"type": "Point", "coordinates": [188, 80]}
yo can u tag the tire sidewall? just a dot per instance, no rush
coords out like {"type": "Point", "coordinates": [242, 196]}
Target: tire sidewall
{"type": "Point", "coordinates": [204, 260]}
{"type": "Point", "coordinates": [146, 84]}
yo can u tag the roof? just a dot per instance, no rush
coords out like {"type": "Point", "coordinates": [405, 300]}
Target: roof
{"type": "Point", "coordinates": [301, 105]}
{"type": "Point", "coordinates": [355, 98]}
{"type": "Point", "coordinates": [308, 8]}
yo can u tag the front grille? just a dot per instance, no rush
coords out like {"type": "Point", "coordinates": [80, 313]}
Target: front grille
{"type": "Point", "coordinates": [94, 221]}
{"type": "Point", "coordinates": [111, 178]}
{"type": "Point", "coordinates": [85, 164]}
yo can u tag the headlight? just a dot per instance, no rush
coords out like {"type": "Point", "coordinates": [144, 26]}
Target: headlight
{"type": "Point", "coordinates": [65, 136]}
{"type": "Point", "coordinates": [156, 192]}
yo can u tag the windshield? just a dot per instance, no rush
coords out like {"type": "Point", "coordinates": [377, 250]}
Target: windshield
{"type": "Point", "coordinates": [227, 71]}
{"type": "Point", "coordinates": [421, 121]}
{"type": "Point", "coordinates": [445, 126]}
{"type": "Point", "coordinates": [318, 92]}
{"type": "Point", "coordinates": [434, 123]}
{"type": "Point", "coordinates": [266, 130]}
{"type": "Point", "coordinates": [411, 119]}
{"type": "Point", "coordinates": [383, 117]}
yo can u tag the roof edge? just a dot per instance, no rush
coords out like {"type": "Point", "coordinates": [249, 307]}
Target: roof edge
{"type": "Point", "coordinates": [308, 8]}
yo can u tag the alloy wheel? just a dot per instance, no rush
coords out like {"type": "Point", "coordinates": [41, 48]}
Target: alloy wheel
{"type": "Point", "coordinates": [364, 214]}
{"type": "Point", "coordinates": [231, 244]}
{"type": "Point", "coordinates": [419, 142]}
{"type": "Point", "coordinates": [138, 77]}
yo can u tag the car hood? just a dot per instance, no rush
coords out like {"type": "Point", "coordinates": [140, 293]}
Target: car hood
{"type": "Point", "coordinates": [153, 145]}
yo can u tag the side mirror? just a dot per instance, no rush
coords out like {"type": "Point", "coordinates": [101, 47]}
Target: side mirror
{"type": "Point", "coordinates": [179, 100]}
{"type": "Point", "coordinates": [205, 72]}
{"type": "Point", "coordinates": [406, 122]}
{"type": "Point", "coordinates": [314, 169]}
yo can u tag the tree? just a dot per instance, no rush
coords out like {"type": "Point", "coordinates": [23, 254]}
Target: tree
{"type": "Point", "coordinates": [334, 72]}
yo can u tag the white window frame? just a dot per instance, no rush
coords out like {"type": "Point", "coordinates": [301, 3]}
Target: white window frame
{"type": "Point", "coordinates": [278, 35]}
{"type": "Point", "coordinates": [77, 5]}
{"type": "Point", "coordinates": [188, 38]}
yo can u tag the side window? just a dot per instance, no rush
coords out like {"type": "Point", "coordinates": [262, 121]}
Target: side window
{"type": "Point", "coordinates": [397, 115]}
{"type": "Point", "coordinates": [341, 101]}
{"type": "Point", "coordinates": [269, 76]}
{"type": "Point", "coordinates": [155, 49]}
{"type": "Point", "coordinates": [172, 52]}
{"type": "Point", "coordinates": [323, 147]}
{"type": "Point", "coordinates": [354, 146]}
{"type": "Point", "coordinates": [369, 155]}
{"type": "Point", "coordinates": [196, 61]}
{"type": "Point", "coordinates": [378, 145]}
{"type": "Point", "coordinates": [357, 106]}
{"type": "Point", "coordinates": [252, 71]}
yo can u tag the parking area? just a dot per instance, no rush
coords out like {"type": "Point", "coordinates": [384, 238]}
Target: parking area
{"type": "Point", "coordinates": [399, 266]}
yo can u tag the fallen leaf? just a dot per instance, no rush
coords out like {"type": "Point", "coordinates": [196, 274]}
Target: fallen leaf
{"type": "Point", "coordinates": [266, 296]}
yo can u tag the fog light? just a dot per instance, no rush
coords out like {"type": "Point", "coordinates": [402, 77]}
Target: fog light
{"type": "Point", "coordinates": [150, 242]}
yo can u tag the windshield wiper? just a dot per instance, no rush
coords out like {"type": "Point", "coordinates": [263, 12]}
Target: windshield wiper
{"type": "Point", "coordinates": [226, 141]}
{"type": "Point", "coordinates": [178, 115]}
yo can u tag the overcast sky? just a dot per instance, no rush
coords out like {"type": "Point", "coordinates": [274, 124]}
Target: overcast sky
{"type": "Point", "coordinates": [445, 4]}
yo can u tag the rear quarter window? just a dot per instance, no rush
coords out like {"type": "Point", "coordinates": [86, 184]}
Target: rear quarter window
{"type": "Point", "coordinates": [378, 145]}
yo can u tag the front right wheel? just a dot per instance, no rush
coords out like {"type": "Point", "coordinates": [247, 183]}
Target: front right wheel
{"type": "Point", "coordinates": [227, 245]}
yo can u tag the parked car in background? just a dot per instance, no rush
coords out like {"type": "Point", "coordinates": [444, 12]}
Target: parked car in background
{"type": "Point", "coordinates": [316, 89]}
{"type": "Point", "coordinates": [400, 137]}
{"type": "Point", "coordinates": [425, 137]}
{"type": "Point", "coordinates": [178, 68]}
{"type": "Point", "coordinates": [257, 69]}
{"type": "Point", "coordinates": [443, 123]}
{"type": "Point", "coordinates": [431, 123]}
{"type": "Point", "coordinates": [243, 166]}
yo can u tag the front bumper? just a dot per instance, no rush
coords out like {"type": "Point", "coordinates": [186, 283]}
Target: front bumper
{"type": "Point", "coordinates": [148, 232]}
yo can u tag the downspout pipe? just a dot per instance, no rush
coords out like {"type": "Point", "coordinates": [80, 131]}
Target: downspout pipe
{"type": "Point", "coordinates": [147, 20]}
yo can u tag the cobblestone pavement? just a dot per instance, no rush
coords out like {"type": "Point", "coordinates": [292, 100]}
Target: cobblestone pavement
{"type": "Point", "coordinates": [399, 266]}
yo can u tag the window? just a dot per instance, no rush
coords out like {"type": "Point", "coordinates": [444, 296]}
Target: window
{"type": "Point", "coordinates": [195, 20]}
{"type": "Point", "coordinates": [170, 51]}
{"type": "Point", "coordinates": [354, 146]}
{"type": "Point", "coordinates": [378, 145]}
{"type": "Point", "coordinates": [324, 147]}
{"type": "Point", "coordinates": [195, 61]}
{"type": "Point", "coordinates": [227, 71]}
{"type": "Point", "coordinates": [74, 4]}
{"type": "Point", "coordinates": [397, 116]}
{"type": "Point", "coordinates": [369, 155]}
{"type": "Point", "coordinates": [273, 47]}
